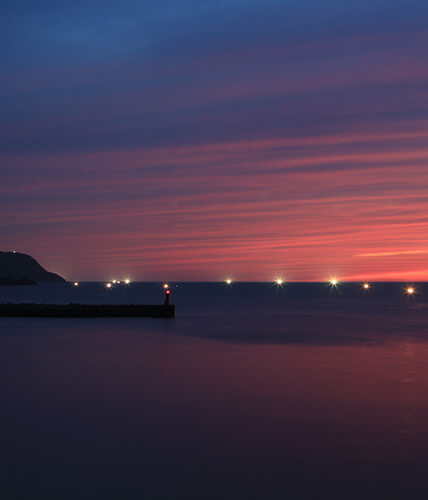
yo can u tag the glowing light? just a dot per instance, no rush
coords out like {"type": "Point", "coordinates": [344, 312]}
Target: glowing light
{"type": "Point", "coordinates": [127, 281]}
{"type": "Point", "coordinates": [108, 285]}
{"type": "Point", "coordinates": [76, 283]}
{"type": "Point", "coordinates": [228, 281]}
{"type": "Point", "coordinates": [410, 290]}
{"type": "Point", "coordinates": [118, 282]}
{"type": "Point", "coordinates": [166, 285]}
{"type": "Point", "coordinates": [366, 286]}
{"type": "Point", "coordinates": [279, 282]}
{"type": "Point", "coordinates": [114, 281]}
{"type": "Point", "coordinates": [334, 282]}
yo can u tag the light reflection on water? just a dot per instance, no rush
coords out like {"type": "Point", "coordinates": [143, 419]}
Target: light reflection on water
{"type": "Point", "coordinates": [248, 391]}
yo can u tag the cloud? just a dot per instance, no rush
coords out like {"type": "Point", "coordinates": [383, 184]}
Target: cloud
{"type": "Point", "coordinates": [253, 208]}
{"type": "Point", "coordinates": [393, 253]}
{"type": "Point", "coordinates": [249, 137]}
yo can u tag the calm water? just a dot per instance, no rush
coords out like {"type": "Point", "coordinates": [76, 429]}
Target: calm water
{"type": "Point", "coordinates": [250, 392]}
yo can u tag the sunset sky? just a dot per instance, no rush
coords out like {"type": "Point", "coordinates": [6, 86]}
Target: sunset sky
{"type": "Point", "coordinates": [195, 140]}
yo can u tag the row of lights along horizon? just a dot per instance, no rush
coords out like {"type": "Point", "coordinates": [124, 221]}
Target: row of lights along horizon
{"type": "Point", "coordinates": [278, 282]}
{"type": "Point", "coordinates": [124, 282]}
{"type": "Point", "coordinates": [333, 283]}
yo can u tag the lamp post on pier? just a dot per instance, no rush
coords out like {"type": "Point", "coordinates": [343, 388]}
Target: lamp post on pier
{"type": "Point", "coordinates": [167, 295]}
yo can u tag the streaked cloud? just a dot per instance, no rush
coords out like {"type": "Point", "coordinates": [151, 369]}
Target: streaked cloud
{"type": "Point", "coordinates": [247, 138]}
{"type": "Point", "coordinates": [389, 254]}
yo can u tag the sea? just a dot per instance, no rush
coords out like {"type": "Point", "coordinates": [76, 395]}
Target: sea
{"type": "Point", "coordinates": [252, 391]}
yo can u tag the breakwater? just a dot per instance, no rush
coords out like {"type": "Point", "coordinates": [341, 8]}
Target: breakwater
{"type": "Point", "coordinates": [88, 310]}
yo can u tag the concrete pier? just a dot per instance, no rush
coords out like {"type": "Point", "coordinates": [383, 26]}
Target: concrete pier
{"type": "Point", "coordinates": [87, 310]}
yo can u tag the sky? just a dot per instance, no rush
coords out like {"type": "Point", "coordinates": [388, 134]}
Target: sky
{"type": "Point", "coordinates": [196, 140]}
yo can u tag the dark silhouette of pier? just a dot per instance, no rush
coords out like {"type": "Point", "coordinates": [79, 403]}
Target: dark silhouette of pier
{"type": "Point", "coordinates": [88, 310]}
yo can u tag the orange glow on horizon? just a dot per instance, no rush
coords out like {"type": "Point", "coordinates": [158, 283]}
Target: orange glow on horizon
{"type": "Point", "coordinates": [225, 226]}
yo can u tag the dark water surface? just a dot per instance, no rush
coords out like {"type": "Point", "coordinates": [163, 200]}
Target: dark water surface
{"type": "Point", "coordinates": [250, 392]}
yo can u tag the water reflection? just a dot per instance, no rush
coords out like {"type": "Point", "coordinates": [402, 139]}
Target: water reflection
{"type": "Point", "coordinates": [236, 397]}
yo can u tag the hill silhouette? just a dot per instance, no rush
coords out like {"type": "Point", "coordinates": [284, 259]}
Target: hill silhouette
{"type": "Point", "coordinates": [20, 267]}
